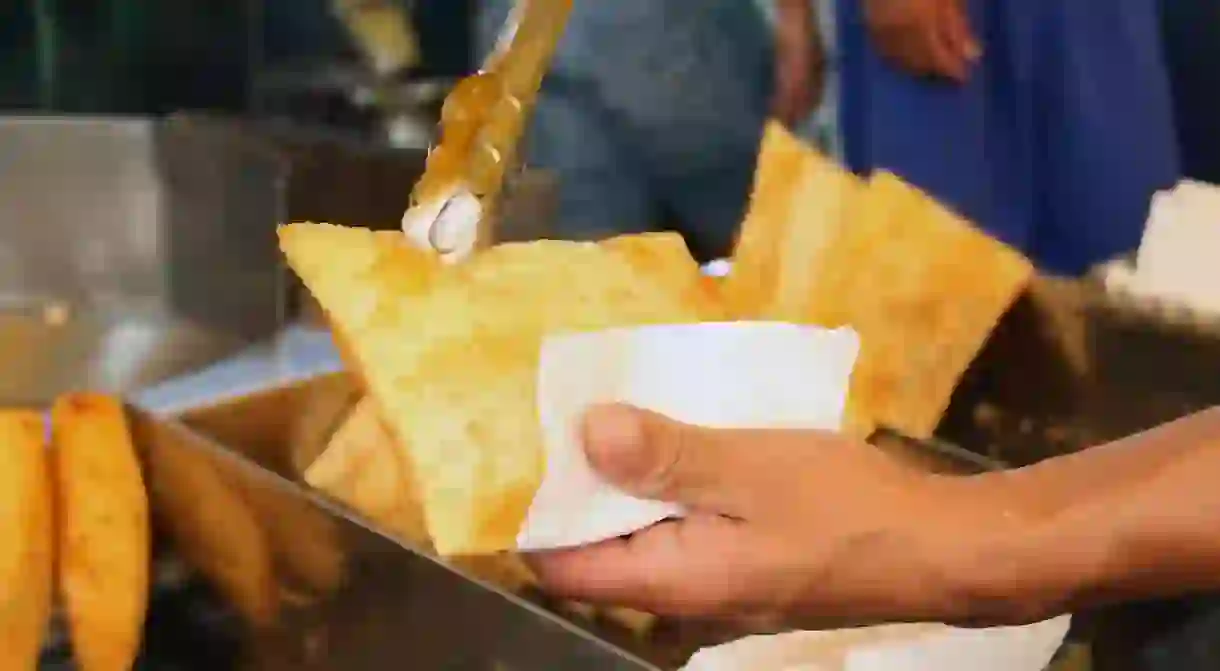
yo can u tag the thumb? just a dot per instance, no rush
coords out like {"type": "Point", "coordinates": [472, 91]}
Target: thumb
{"type": "Point", "coordinates": [654, 457]}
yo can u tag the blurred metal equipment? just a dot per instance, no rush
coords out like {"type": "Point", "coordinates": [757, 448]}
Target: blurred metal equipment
{"type": "Point", "coordinates": [134, 250]}
{"type": "Point", "coordinates": [89, 298]}
{"type": "Point", "coordinates": [384, 32]}
{"type": "Point", "coordinates": [393, 89]}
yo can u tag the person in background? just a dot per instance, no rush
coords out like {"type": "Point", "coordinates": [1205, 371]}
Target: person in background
{"type": "Point", "coordinates": [1048, 123]}
{"type": "Point", "coordinates": [803, 523]}
{"type": "Point", "coordinates": [652, 111]}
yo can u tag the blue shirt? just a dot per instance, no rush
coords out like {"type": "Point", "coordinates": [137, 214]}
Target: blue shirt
{"type": "Point", "coordinates": [1054, 145]}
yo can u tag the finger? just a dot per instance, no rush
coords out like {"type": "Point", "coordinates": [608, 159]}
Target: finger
{"type": "Point", "coordinates": [944, 52]}
{"type": "Point", "coordinates": [936, 57]}
{"type": "Point", "coordinates": [957, 33]}
{"type": "Point", "coordinates": [723, 471]}
{"type": "Point", "coordinates": [695, 567]}
{"type": "Point", "coordinates": [910, 52]}
{"type": "Point", "coordinates": [897, 29]}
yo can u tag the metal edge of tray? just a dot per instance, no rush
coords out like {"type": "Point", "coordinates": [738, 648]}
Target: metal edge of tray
{"type": "Point", "coordinates": [953, 459]}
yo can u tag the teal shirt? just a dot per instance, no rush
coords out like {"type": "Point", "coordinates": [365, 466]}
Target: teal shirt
{"type": "Point", "coordinates": [651, 115]}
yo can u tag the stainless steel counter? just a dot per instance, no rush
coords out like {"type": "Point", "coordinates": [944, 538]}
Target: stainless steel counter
{"type": "Point", "coordinates": [296, 353]}
{"type": "Point", "coordinates": [125, 256]}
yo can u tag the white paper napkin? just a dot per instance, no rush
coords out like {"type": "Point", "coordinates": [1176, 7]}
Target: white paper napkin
{"type": "Point", "coordinates": [739, 374]}
{"type": "Point", "coordinates": [891, 648]}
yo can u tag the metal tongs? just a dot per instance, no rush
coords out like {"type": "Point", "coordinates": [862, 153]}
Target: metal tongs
{"type": "Point", "coordinates": [482, 121]}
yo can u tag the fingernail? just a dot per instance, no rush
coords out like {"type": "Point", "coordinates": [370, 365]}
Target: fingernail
{"type": "Point", "coordinates": [614, 441]}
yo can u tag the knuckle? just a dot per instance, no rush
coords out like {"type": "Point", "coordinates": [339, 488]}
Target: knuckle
{"type": "Point", "coordinates": [667, 476]}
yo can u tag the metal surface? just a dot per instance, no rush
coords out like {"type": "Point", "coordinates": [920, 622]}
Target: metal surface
{"type": "Point", "coordinates": [84, 246]}
{"type": "Point", "coordinates": [272, 430]}
{"type": "Point", "coordinates": [304, 587]}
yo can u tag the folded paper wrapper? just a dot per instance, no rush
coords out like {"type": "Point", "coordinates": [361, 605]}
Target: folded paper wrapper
{"type": "Point", "coordinates": [1176, 259]}
{"type": "Point", "coordinates": [739, 375]}
{"type": "Point", "coordinates": [732, 375]}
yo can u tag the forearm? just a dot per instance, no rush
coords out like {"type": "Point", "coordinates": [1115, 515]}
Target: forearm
{"type": "Point", "coordinates": [1136, 518]}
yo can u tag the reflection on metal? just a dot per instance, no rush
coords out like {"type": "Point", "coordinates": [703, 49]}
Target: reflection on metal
{"type": "Point", "coordinates": [109, 345]}
{"type": "Point", "coordinates": [90, 298]}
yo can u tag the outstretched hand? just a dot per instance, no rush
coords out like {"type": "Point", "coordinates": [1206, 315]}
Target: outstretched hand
{"type": "Point", "coordinates": [780, 523]}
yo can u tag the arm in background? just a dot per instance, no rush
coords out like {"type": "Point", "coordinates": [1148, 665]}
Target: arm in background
{"type": "Point", "coordinates": [800, 61]}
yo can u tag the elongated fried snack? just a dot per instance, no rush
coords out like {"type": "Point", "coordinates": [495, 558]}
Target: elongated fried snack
{"type": "Point", "coordinates": [452, 367]}
{"type": "Point", "coordinates": [211, 525]}
{"type": "Point", "coordinates": [26, 539]}
{"type": "Point", "coordinates": [304, 540]}
{"type": "Point", "coordinates": [104, 540]}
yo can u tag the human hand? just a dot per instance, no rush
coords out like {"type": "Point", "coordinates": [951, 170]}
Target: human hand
{"type": "Point", "coordinates": [800, 75]}
{"type": "Point", "coordinates": [780, 523]}
{"type": "Point", "coordinates": [800, 63]}
{"type": "Point", "coordinates": [924, 37]}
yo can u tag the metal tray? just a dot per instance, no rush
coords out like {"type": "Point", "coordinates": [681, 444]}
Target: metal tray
{"type": "Point", "coordinates": [395, 602]}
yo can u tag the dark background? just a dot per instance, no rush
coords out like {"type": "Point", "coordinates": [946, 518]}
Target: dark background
{"type": "Point", "coordinates": [154, 57]}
